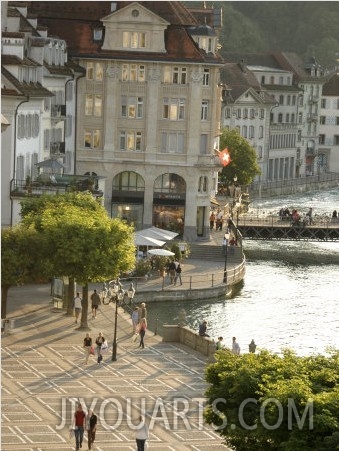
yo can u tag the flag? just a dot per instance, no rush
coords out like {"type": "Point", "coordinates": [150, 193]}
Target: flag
{"type": "Point", "coordinates": [225, 157]}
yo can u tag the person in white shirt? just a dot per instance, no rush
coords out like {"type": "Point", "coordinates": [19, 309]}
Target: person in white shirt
{"type": "Point", "coordinates": [235, 346]}
{"type": "Point", "coordinates": [141, 434]}
{"type": "Point", "coordinates": [77, 306]}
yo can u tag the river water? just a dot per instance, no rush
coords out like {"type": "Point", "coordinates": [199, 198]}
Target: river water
{"type": "Point", "coordinates": [289, 297]}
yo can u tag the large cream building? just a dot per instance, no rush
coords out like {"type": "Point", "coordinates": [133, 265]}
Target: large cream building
{"type": "Point", "coordinates": [148, 108]}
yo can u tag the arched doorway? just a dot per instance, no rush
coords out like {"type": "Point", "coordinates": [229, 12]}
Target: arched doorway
{"type": "Point", "coordinates": [169, 198]}
{"type": "Point", "coordinates": [128, 197]}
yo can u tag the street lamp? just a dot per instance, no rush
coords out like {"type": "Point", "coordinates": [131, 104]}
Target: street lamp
{"type": "Point", "coordinates": [225, 244]}
{"type": "Point", "coordinates": [131, 293]}
{"type": "Point", "coordinates": [235, 178]}
{"type": "Point", "coordinates": [119, 296]}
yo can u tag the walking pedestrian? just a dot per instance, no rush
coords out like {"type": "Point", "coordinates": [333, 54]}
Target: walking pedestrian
{"type": "Point", "coordinates": [141, 434]}
{"type": "Point", "coordinates": [91, 426]}
{"type": "Point", "coordinates": [79, 423]}
{"type": "Point", "coordinates": [77, 303]}
{"type": "Point", "coordinates": [178, 275]}
{"type": "Point", "coordinates": [87, 346]}
{"type": "Point", "coordinates": [142, 332]}
{"type": "Point", "coordinates": [235, 346]}
{"type": "Point", "coordinates": [135, 319]}
{"type": "Point", "coordinates": [142, 312]}
{"type": "Point", "coordinates": [99, 342]}
{"type": "Point", "coordinates": [95, 298]}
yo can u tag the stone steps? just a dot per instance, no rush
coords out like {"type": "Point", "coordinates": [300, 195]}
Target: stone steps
{"type": "Point", "coordinates": [215, 253]}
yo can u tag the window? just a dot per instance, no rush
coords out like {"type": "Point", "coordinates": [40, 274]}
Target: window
{"type": "Point", "coordinates": [92, 139]}
{"type": "Point", "coordinates": [288, 100]}
{"type": "Point", "coordinates": [172, 142]}
{"type": "Point", "coordinates": [300, 118]}
{"type": "Point", "coordinates": [292, 118]}
{"type": "Point", "coordinates": [321, 139]}
{"type": "Point", "coordinates": [336, 140]}
{"type": "Point", "coordinates": [133, 72]}
{"type": "Point", "coordinates": [227, 114]}
{"type": "Point", "coordinates": [293, 100]}
{"type": "Point", "coordinates": [251, 131]}
{"type": "Point", "coordinates": [174, 109]}
{"type": "Point", "coordinates": [280, 117]}
{"type": "Point", "coordinates": [260, 152]}
{"type": "Point", "coordinates": [175, 75]}
{"type": "Point", "coordinates": [263, 80]}
{"type": "Point", "coordinates": [337, 120]}
{"type": "Point", "coordinates": [204, 110]}
{"type": "Point", "coordinates": [261, 131]}
{"type": "Point", "coordinates": [244, 131]}
{"type": "Point", "coordinates": [262, 113]}
{"type": "Point", "coordinates": [272, 80]}
{"type": "Point", "coordinates": [203, 183]}
{"type": "Point", "coordinates": [94, 71]}
{"type": "Point", "coordinates": [203, 144]}
{"type": "Point", "coordinates": [133, 40]}
{"type": "Point", "coordinates": [93, 105]}
{"type": "Point", "coordinates": [206, 77]}
{"type": "Point", "coordinates": [287, 117]}
{"type": "Point", "coordinates": [281, 100]}
{"type": "Point", "coordinates": [281, 80]}
{"type": "Point", "coordinates": [322, 120]}
{"type": "Point", "coordinates": [132, 107]}
{"type": "Point", "coordinates": [323, 103]}
{"type": "Point", "coordinates": [245, 113]}
{"type": "Point", "coordinates": [131, 140]}
{"type": "Point", "coordinates": [252, 113]}
{"type": "Point", "coordinates": [239, 113]}
{"type": "Point", "coordinates": [97, 34]}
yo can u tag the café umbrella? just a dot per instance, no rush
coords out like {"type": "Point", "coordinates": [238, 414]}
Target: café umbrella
{"type": "Point", "coordinates": [161, 252]}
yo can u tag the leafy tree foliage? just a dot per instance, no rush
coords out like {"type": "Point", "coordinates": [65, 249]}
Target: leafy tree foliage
{"type": "Point", "coordinates": [21, 262]}
{"type": "Point", "coordinates": [68, 235]}
{"type": "Point", "coordinates": [243, 158]}
{"type": "Point", "coordinates": [269, 402]}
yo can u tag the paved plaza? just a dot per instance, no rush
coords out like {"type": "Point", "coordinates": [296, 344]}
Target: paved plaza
{"type": "Point", "coordinates": [44, 377]}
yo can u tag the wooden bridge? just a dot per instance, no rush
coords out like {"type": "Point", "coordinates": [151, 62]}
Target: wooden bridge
{"type": "Point", "coordinates": [272, 228]}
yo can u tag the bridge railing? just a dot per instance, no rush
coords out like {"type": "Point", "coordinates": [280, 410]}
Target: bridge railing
{"type": "Point", "coordinates": [276, 220]}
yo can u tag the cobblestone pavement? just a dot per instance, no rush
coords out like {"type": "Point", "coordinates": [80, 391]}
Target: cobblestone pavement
{"type": "Point", "coordinates": [44, 377]}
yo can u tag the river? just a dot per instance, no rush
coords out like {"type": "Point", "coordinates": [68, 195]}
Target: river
{"type": "Point", "coordinates": [289, 297]}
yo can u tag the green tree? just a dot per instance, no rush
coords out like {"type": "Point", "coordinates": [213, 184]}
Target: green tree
{"type": "Point", "coordinates": [22, 262]}
{"type": "Point", "coordinates": [243, 163]}
{"type": "Point", "coordinates": [269, 402]}
{"type": "Point", "coordinates": [83, 242]}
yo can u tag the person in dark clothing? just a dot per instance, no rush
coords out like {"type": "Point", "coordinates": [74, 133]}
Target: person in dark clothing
{"type": "Point", "coordinates": [203, 329]}
{"type": "Point", "coordinates": [91, 426]}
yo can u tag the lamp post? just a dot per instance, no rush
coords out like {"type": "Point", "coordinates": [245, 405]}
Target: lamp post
{"type": "Point", "coordinates": [226, 237]}
{"type": "Point", "coordinates": [119, 296]}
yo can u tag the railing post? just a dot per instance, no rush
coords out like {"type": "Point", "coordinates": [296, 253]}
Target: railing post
{"type": "Point", "coordinates": [212, 280]}
{"type": "Point", "coordinates": [190, 282]}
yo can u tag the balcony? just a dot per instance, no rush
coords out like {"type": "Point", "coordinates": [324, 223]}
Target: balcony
{"type": "Point", "coordinates": [313, 99]}
{"type": "Point", "coordinates": [53, 184]}
{"type": "Point", "coordinates": [57, 148]}
{"type": "Point", "coordinates": [58, 113]}
{"type": "Point", "coordinates": [312, 118]}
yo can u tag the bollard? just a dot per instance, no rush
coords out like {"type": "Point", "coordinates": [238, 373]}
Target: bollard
{"type": "Point", "coordinates": [156, 326]}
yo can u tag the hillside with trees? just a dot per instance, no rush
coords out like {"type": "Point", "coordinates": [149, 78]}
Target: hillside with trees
{"type": "Point", "coordinates": [306, 28]}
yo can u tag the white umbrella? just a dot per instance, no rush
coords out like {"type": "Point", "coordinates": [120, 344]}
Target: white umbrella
{"type": "Point", "coordinates": [162, 252]}
{"type": "Point", "coordinates": [158, 234]}
{"type": "Point", "coordinates": [141, 240]}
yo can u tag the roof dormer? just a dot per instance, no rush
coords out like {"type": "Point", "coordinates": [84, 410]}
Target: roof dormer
{"type": "Point", "coordinates": [134, 28]}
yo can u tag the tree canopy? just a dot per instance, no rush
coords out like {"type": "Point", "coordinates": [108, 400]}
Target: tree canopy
{"type": "Point", "coordinates": [268, 402]}
{"type": "Point", "coordinates": [65, 235]}
{"type": "Point", "coordinates": [243, 158]}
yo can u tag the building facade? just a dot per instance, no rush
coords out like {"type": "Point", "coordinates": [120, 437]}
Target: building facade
{"type": "Point", "coordinates": [148, 109]}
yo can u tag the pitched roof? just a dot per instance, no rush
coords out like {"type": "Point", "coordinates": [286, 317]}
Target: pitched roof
{"type": "Point", "coordinates": [331, 87]}
{"type": "Point", "coordinates": [74, 23]}
{"type": "Point", "coordinates": [27, 89]}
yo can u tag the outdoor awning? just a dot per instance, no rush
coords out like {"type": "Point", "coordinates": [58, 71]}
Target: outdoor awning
{"type": "Point", "coordinates": [214, 201]}
{"type": "Point", "coordinates": [158, 234]}
{"type": "Point", "coordinates": [141, 240]}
